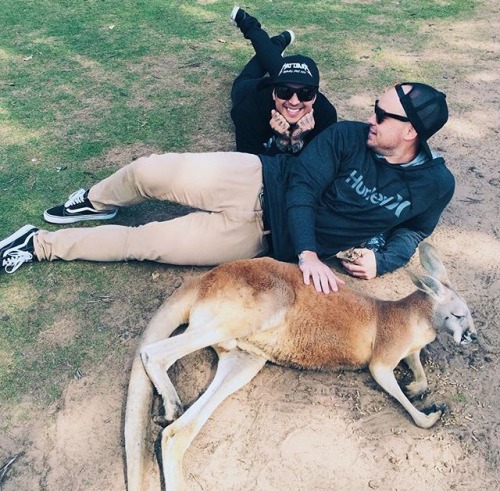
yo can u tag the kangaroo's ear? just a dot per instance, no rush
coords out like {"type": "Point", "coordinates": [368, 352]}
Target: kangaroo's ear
{"type": "Point", "coordinates": [432, 263]}
{"type": "Point", "coordinates": [429, 285]}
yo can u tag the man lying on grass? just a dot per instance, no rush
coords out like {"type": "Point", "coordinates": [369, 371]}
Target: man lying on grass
{"type": "Point", "coordinates": [374, 184]}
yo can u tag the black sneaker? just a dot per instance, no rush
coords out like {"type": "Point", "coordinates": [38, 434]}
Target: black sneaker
{"type": "Point", "coordinates": [17, 249]}
{"type": "Point", "coordinates": [78, 208]}
{"type": "Point", "coordinates": [244, 20]}
{"type": "Point", "coordinates": [283, 40]}
{"type": "Point", "coordinates": [237, 15]}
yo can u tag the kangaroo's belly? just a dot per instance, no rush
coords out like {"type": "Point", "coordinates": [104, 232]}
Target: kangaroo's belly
{"type": "Point", "coordinates": [322, 348]}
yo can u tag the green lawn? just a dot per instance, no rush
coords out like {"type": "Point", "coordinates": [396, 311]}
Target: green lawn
{"type": "Point", "coordinates": [87, 85]}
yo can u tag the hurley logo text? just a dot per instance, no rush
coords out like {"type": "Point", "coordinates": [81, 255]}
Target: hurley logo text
{"type": "Point", "coordinates": [393, 203]}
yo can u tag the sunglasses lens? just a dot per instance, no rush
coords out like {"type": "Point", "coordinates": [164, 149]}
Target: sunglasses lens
{"type": "Point", "coordinates": [284, 93]}
{"type": "Point", "coordinates": [379, 114]}
{"type": "Point", "coordinates": [304, 94]}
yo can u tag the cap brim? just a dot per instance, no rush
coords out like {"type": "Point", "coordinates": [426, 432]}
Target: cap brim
{"type": "Point", "coordinates": [284, 81]}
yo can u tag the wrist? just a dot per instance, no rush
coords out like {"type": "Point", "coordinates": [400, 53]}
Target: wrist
{"type": "Point", "coordinates": [282, 143]}
{"type": "Point", "coordinates": [306, 255]}
{"type": "Point", "coordinates": [296, 145]}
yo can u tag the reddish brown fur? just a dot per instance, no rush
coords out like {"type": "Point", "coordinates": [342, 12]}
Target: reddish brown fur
{"type": "Point", "coordinates": [340, 329]}
{"type": "Point", "coordinates": [415, 309]}
{"type": "Point", "coordinates": [264, 308]}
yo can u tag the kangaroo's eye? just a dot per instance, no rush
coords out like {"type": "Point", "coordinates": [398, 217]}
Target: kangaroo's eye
{"type": "Point", "coordinates": [458, 317]}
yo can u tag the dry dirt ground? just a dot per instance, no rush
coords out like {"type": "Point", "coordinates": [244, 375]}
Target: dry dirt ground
{"type": "Point", "coordinates": [292, 430]}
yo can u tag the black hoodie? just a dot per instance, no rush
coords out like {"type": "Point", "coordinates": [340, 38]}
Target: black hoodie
{"type": "Point", "coordinates": [338, 193]}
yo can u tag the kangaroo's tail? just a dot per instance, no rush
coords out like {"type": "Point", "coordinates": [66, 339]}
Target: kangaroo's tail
{"type": "Point", "coordinates": [173, 313]}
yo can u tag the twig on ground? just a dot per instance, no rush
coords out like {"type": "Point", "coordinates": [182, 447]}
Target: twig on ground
{"type": "Point", "coordinates": [471, 201]}
{"type": "Point", "coordinates": [5, 468]}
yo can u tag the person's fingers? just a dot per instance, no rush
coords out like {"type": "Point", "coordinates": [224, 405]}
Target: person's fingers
{"type": "Point", "coordinates": [351, 267]}
{"type": "Point", "coordinates": [323, 278]}
{"type": "Point", "coordinates": [362, 274]}
{"type": "Point", "coordinates": [326, 283]}
{"type": "Point", "coordinates": [337, 280]}
{"type": "Point", "coordinates": [317, 282]}
{"type": "Point", "coordinates": [307, 277]}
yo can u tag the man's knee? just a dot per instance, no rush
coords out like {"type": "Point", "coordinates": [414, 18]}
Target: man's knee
{"type": "Point", "coordinates": [149, 172]}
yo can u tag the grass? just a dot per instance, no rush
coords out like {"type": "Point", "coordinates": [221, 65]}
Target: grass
{"type": "Point", "coordinates": [87, 85]}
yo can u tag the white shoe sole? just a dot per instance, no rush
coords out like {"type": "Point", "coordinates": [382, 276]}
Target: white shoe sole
{"type": "Point", "coordinates": [81, 218]}
{"type": "Point", "coordinates": [233, 15]}
{"type": "Point", "coordinates": [16, 235]}
{"type": "Point", "coordinates": [292, 39]}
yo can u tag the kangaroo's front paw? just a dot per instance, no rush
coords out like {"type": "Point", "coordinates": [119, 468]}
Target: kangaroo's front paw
{"type": "Point", "coordinates": [435, 408]}
{"type": "Point", "coordinates": [161, 421]}
{"type": "Point", "coordinates": [415, 389]}
{"type": "Point", "coordinates": [430, 415]}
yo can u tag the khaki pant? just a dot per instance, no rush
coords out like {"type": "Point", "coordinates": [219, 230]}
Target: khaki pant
{"type": "Point", "coordinates": [225, 187]}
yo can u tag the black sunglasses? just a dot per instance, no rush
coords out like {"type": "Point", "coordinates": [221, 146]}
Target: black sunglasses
{"type": "Point", "coordinates": [304, 94]}
{"type": "Point", "coordinates": [380, 114]}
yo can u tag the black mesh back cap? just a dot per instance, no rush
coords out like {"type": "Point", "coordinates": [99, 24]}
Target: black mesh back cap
{"type": "Point", "coordinates": [426, 109]}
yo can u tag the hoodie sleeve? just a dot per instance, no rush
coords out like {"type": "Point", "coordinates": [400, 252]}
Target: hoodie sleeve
{"type": "Point", "coordinates": [399, 248]}
{"type": "Point", "coordinates": [402, 241]}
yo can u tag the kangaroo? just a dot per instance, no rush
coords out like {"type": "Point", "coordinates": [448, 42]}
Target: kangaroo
{"type": "Point", "coordinates": [259, 310]}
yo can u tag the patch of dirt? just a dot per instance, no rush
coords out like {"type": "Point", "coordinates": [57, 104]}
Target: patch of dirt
{"type": "Point", "coordinates": [320, 431]}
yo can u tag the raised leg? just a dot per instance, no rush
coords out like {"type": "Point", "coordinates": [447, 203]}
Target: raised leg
{"type": "Point", "coordinates": [235, 369]}
{"type": "Point", "coordinates": [267, 51]}
{"type": "Point", "coordinates": [213, 181]}
{"type": "Point", "coordinates": [157, 358]}
{"type": "Point", "coordinates": [419, 385]}
{"type": "Point", "coordinates": [384, 376]}
{"type": "Point", "coordinates": [140, 393]}
{"type": "Point", "coordinates": [156, 365]}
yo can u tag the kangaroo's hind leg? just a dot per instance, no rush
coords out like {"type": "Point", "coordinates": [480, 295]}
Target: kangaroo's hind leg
{"type": "Point", "coordinates": [235, 369]}
{"type": "Point", "coordinates": [158, 357]}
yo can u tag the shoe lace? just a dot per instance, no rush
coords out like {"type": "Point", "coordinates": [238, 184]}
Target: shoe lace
{"type": "Point", "coordinates": [76, 198]}
{"type": "Point", "coordinates": [14, 259]}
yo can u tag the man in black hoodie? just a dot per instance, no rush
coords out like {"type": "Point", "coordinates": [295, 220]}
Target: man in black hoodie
{"type": "Point", "coordinates": [277, 106]}
{"type": "Point", "coordinates": [352, 183]}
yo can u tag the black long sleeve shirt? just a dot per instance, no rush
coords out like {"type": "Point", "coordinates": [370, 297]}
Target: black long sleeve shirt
{"type": "Point", "coordinates": [252, 113]}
